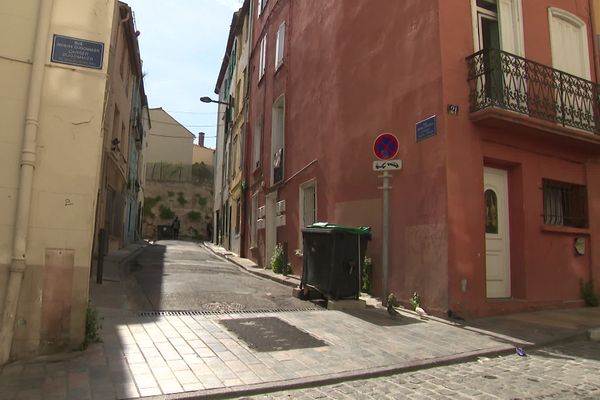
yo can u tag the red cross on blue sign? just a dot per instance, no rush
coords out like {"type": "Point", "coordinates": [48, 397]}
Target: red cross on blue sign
{"type": "Point", "coordinates": [385, 146]}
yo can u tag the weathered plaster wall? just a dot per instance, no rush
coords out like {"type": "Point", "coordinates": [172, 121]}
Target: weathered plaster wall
{"type": "Point", "coordinates": [54, 294]}
{"type": "Point", "coordinates": [544, 268]}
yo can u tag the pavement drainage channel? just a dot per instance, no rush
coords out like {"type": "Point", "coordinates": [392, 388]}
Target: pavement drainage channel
{"type": "Point", "coordinates": [179, 313]}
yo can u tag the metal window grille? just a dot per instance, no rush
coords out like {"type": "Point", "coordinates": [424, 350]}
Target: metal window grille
{"type": "Point", "coordinates": [565, 204]}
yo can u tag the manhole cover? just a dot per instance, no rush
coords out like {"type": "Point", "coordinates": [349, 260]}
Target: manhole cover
{"type": "Point", "coordinates": [270, 334]}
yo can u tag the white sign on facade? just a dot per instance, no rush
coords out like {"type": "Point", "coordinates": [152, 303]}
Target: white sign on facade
{"type": "Point", "coordinates": [387, 165]}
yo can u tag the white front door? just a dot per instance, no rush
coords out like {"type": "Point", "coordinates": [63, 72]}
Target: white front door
{"type": "Point", "coordinates": [271, 227]}
{"type": "Point", "coordinates": [497, 253]}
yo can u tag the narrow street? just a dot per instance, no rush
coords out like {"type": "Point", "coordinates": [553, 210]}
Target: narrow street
{"type": "Point", "coordinates": [177, 275]}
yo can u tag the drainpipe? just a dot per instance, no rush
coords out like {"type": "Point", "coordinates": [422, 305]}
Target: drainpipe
{"type": "Point", "coordinates": [28, 157]}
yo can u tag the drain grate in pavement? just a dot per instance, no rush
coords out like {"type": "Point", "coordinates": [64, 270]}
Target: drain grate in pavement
{"type": "Point", "coordinates": [270, 334]}
{"type": "Point", "coordinates": [223, 312]}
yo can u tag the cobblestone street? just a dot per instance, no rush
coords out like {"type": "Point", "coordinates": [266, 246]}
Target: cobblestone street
{"type": "Point", "coordinates": [568, 371]}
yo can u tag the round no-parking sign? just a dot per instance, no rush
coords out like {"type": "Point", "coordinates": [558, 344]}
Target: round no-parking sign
{"type": "Point", "coordinates": [385, 146]}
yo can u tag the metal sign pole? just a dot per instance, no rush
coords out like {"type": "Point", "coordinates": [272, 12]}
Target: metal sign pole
{"type": "Point", "coordinates": [386, 231]}
{"type": "Point", "coordinates": [385, 148]}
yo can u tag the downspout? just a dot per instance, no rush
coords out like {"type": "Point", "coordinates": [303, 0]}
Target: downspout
{"type": "Point", "coordinates": [28, 158]}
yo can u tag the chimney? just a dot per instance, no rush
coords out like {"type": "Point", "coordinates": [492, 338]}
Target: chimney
{"type": "Point", "coordinates": [201, 138]}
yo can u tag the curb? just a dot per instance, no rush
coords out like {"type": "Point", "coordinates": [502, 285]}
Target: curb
{"type": "Point", "coordinates": [330, 379]}
{"type": "Point", "coordinates": [133, 254]}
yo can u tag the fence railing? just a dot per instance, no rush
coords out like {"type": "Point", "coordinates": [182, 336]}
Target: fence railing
{"type": "Point", "coordinates": [172, 172]}
{"type": "Point", "coordinates": [500, 79]}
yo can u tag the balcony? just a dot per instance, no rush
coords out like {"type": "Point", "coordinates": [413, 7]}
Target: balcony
{"type": "Point", "coordinates": [506, 87]}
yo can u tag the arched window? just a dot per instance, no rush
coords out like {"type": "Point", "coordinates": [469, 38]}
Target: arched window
{"type": "Point", "coordinates": [491, 211]}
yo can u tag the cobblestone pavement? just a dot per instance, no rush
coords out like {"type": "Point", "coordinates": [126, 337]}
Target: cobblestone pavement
{"type": "Point", "coordinates": [568, 371]}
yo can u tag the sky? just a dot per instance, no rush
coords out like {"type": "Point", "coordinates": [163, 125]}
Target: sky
{"type": "Point", "coordinates": [182, 43]}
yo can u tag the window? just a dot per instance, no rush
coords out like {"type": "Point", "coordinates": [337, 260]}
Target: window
{"type": "Point", "coordinates": [498, 24]}
{"type": "Point", "coordinates": [491, 212]}
{"type": "Point", "coordinates": [277, 140]}
{"type": "Point", "coordinates": [262, 59]}
{"type": "Point", "coordinates": [261, 6]}
{"type": "Point", "coordinates": [257, 139]}
{"type": "Point", "coordinates": [238, 98]}
{"type": "Point", "coordinates": [116, 133]}
{"type": "Point", "coordinates": [279, 45]}
{"type": "Point", "coordinates": [308, 197]}
{"type": "Point", "coordinates": [253, 218]}
{"type": "Point", "coordinates": [238, 217]}
{"type": "Point", "coordinates": [565, 204]}
{"type": "Point", "coordinates": [234, 157]}
{"type": "Point", "coordinates": [308, 205]}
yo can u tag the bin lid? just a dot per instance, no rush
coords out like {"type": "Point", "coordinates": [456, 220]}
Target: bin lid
{"type": "Point", "coordinates": [355, 230]}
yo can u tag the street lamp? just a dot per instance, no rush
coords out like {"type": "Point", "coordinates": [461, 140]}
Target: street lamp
{"type": "Point", "coordinates": [207, 99]}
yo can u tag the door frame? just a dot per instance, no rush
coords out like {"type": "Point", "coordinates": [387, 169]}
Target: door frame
{"type": "Point", "coordinates": [504, 221]}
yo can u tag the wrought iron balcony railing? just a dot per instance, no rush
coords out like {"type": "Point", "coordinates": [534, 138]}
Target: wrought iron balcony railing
{"type": "Point", "coordinates": [503, 80]}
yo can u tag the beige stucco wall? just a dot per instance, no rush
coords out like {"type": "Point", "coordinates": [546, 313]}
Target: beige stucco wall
{"type": "Point", "coordinates": [203, 155]}
{"type": "Point", "coordinates": [54, 294]}
{"type": "Point", "coordinates": [168, 140]}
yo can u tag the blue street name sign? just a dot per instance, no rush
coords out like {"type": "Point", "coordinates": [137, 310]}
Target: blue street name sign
{"type": "Point", "coordinates": [426, 128]}
{"type": "Point", "coordinates": [80, 52]}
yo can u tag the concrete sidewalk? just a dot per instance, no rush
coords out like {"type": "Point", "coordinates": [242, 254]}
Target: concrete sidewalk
{"type": "Point", "coordinates": [193, 355]}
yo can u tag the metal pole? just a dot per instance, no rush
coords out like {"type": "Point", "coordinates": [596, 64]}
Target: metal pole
{"type": "Point", "coordinates": [386, 231]}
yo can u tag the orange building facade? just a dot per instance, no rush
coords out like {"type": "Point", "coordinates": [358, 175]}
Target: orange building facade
{"type": "Point", "coordinates": [495, 106]}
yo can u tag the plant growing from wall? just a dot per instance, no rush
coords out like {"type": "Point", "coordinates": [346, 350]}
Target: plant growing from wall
{"type": "Point", "coordinates": [367, 272]}
{"type": "Point", "coordinates": [415, 300]}
{"type": "Point", "coordinates": [181, 200]}
{"type": "Point", "coordinates": [201, 200]}
{"type": "Point", "coordinates": [92, 327]}
{"type": "Point", "coordinates": [194, 216]}
{"type": "Point", "coordinates": [588, 294]}
{"type": "Point", "coordinates": [202, 173]}
{"type": "Point", "coordinates": [165, 212]}
{"type": "Point", "coordinates": [278, 260]}
{"type": "Point", "coordinates": [149, 203]}
{"type": "Point", "coordinates": [194, 233]}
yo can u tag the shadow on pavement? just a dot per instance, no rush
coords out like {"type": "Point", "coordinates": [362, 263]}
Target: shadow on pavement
{"type": "Point", "coordinates": [380, 317]}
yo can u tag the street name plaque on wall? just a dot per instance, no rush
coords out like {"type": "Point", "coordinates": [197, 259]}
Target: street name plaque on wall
{"type": "Point", "coordinates": [80, 52]}
{"type": "Point", "coordinates": [426, 128]}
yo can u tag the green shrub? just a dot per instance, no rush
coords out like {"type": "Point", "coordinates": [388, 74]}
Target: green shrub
{"type": "Point", "coordinates": [149, 203]}
{"type": "Point", "coordinates": [278, 260]}
{"type": "Point", "coordinates": [181, 200]}
{"type": "Point", "coordinates": [201, 200]}
{"type": "Point", "coordinates": [92, 327]}
{"type": "Point", "coordinates": [165, 213]}
{"type": "Point", "coordinates": [367, 273]}
{"type": "Point", "coordinates": [588, 294]}
{"type": "Point", "coordinates": [415, 300]}
{"type": "Point", "coordinates": [194, 216]}
{"type": "Point", "coordinates": [202, 173]}
{"type": "Point", "coordinates": [195, 234]}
